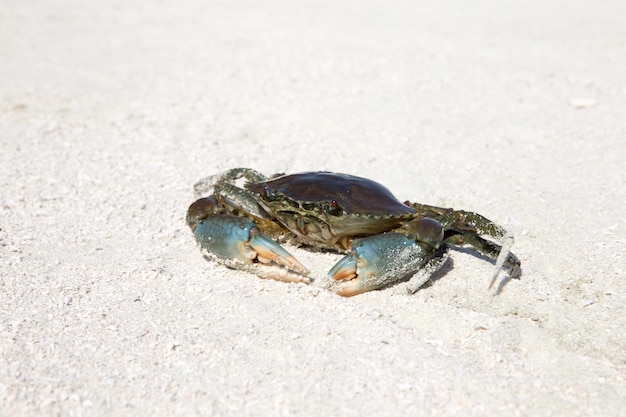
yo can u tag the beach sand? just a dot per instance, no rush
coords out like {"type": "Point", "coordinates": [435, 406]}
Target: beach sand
{"type": "Point", "coordinates": [111, 111]}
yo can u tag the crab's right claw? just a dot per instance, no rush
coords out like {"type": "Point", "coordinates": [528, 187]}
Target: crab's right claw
{"type": "Point", "coordinates": [238, 243]}
{"type": "Point", "coordinates": [375, 262]}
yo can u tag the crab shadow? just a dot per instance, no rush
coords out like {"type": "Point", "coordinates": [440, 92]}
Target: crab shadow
{"type": "Point", "coordinates": [506, 278]}
{"type": "Point", "coordinates": [447, 266]}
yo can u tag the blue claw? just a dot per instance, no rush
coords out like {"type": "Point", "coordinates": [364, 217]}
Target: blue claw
{"type": "Point", "coordinates": [233, 239]}
{"type": "Point", "coordinates": [377, 261]}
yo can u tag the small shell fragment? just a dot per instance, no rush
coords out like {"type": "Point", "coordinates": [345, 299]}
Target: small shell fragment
{"type": "Point", "coordinates": [582, 103]}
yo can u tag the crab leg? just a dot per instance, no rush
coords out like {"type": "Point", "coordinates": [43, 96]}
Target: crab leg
{"type": "Point", "coordinates": [238, 243]}
{"type": "Point", "coordinates": [223, 188]}
{"type": "Point", "coordinates": [466, 227]}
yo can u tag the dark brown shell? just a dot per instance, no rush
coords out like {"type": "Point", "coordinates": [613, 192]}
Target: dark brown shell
{"type": "Point", "coordinates": [356, 195]}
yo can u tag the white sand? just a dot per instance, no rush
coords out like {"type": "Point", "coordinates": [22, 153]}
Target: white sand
{"type": "Point", "coordinates": [110, 111]}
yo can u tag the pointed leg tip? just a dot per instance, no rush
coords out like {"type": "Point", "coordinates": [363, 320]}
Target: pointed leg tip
{"type": "Point", "coordinates": [493, 281]}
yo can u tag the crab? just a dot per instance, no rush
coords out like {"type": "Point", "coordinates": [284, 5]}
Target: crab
{"type": "Point", "coordinates": [240, 218]}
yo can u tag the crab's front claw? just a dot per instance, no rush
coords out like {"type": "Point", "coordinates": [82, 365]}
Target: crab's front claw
{"type": "Point", "coordinates": [375, 262]}
{"type": "Point", "coordinates": [238, 243]}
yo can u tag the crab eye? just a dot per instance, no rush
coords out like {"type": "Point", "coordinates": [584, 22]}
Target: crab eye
{"type": "Point", "coordinates": [333, 208]}
{"type": "Point", "coordinates": [269, 193]}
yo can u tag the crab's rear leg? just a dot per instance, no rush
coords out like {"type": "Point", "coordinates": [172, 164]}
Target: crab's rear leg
{"type": "Point", "coordinates": [208, 185]}
{"type": "Point", "coordinates": [238, 243]}
{"type": "Point", "coordinates": [225, 186]}
{"type": "Point", "coordinates": [502, 255]}
{"type": "Point", "coordinates": [467, 228]}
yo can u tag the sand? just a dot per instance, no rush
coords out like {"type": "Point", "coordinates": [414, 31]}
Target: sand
{"type": "Point", "coordinates": [110, 111]}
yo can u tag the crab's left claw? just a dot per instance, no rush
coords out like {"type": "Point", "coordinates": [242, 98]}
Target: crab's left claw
{"type": "Point", "coordinates": [375, 262]}
{"type": "Point", "coordinates": [238, 243]}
